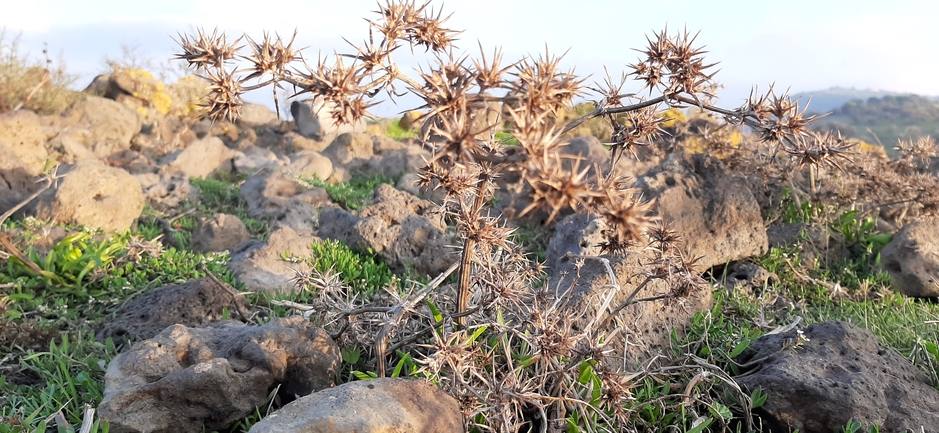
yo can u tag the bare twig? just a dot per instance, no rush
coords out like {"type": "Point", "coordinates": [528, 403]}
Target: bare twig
{"type": "Point", "coordinates": [381, 343]}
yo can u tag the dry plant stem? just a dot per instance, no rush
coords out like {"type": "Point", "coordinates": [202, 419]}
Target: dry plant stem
{"type": "Point", "coordinates": [629, 301]}
{"type": "Point", "coordinates": [87, 419]}
{"type": "Point", "coordinates": [228, 288]}
{"type": "Point", "coordinates": [466, 262]}
{"type": "Point", "coordinates": [602, 111]}
{"type": "Point", "coordinates": [381, 343]}
{"type": "Point", "coordinates": [34, 268]}
{"type": "Point", "coordinates": [45, 78]}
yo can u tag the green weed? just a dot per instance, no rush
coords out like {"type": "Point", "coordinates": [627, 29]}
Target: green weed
{"type": "Point", "coordinates": [353, 194]}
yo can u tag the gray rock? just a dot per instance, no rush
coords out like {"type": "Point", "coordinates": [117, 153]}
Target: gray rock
{"type": "Point", "coordinates": [834, 373]}
{"type": "Point", "coordinates": [256, 158]}
{"type": "Point", "coordinates": [111, 123]}
{"type": "Point", "coordinates": [201, 158]}
{"type": "Point", "coordinates": [746, 277]}
{"type": "Point", "coordinates": [314, 120]}
{"type": "Point", "coordinates": [16, 182]}
{"type": "Point", "coordinates": [646, 327]}
{"type": "Point", "coordinates": [398, 161]}
{"type": "Point", "coordinates": [912, 259]}
{"type": "Point", "coordinates": [22, 133]}
{"type": "Point", "coordinates": [712, 209]}
{"type": "Point", "coordinates": [166, 190]}
{"type": "Point", "coordinates": [195, 303]}
{"type": "Point", "coordinates": [261, 266]}
{"type": "Point", "coordinates": [308, 164]}
{"type": "Point", "coordinates": [270, 193]}
{"type": "Point", "coordinates": [378, 405]}
{"type": "Point", "coordinates": [251, 115]}
{"type": "Point", "coordinates": [193, 380]}
{"type": "Point", "coordinates": [98, 196]}
{"type": "Point", "coordinates": [405, 231]}
{"type": "Point", "coordinates": [350, 150]}
{"type": "Point", "coordinates": [220, 232]}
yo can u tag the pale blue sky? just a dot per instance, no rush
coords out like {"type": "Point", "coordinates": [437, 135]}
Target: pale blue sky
{"type": "Point", "coordinates": [805, 45]}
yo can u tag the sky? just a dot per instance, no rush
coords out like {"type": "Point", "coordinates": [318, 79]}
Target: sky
{"type": "Point", "coordinates": [796, 44]}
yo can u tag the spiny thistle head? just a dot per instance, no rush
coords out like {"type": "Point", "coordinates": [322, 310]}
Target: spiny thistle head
{"type": "Point", "coordinates": [207, 51]}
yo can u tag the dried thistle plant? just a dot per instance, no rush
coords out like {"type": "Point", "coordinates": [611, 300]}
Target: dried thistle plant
{"type": "Point", "coordinates": [506, 349]}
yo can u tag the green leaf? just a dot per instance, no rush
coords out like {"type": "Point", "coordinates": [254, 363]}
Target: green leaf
{"type": "Point", "coordinates": [438, 317]}
{"type": "Point", "coordinates": [739, 348]}
{"type": "Point", "coordinates": [701, 426]}
{"type": "Point", "coordinates": [720, 411]}
{"type": "Point", "coordinates": [351, 355]}
{"type": "Point", "coordinates": [400, 365]}
{"type": "Point", "coordinates": [368, 375]}
{"type": "Point", "coordinates": [757, 398]}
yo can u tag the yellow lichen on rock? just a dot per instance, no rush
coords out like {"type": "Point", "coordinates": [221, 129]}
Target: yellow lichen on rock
{"type": "Point", "coordinates": [672, 116]}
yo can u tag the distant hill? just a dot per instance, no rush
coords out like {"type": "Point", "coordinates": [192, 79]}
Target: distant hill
{"type": "Point", "coordinates": [884, 120]}
{"type": "Point", "coordinates": [823, 101]}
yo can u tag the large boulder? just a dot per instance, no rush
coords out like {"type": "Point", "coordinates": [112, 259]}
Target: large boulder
{"type": "Point", "coordinates": [271, 193]}
{"type": "Point", "coordinates": [710, 207]}
{"type": "Point", "coordinates": [404, 230]}
{"type": "Point", "coordinates": [166, 190]}
{"type": "Point", "coordinates": [314, 120]}
{"type": "Point", "coordinates": [22, 133]}
{"type": "Point", "coordinates": [220, 232]}
{"type": "Point", "coordinates": [912, 259]}
{"type": "Point", "coordinates": [204, 379]}
{"type": "Point", "coordinates": [397, 161]}
{"type": "Point", "coordinates": [350, 150]}
{"type": "Point", "coordinates": [201, 158]}
{"type": "Point", "coordinates": [252, 115]}
{"type": "Point", "coordinates": [833, 372]}
{"type": "Point", "coordinates": [98, 196]}
{"type": "Point", "coordinates": [308, 164]}
{"type": "Point", "coordinates": [646, 327]}
{"type": "Point", "coordinates": [378, 405]}
{"type": "Point", "coordinates": [112, 124]}
{"type": "Point", "coordinates": [195, 303]}
{"type": "Point", "coordinates": [16, 181]}
{"type": "Point", "coordinates": [262, 266]}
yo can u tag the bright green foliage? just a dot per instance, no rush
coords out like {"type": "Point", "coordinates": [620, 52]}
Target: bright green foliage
{"type": "Point", "coordinates": [71, 374]}
{"type": "Point", "coordinates": [68, 264]}
{"type": "Point", "coordinates": [364, 272]}
{"type": "Point", "coordinates": [396, 132]}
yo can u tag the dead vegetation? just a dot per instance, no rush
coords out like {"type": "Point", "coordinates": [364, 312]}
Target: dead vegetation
{"type": "Point", "coordinates": [498, 339]}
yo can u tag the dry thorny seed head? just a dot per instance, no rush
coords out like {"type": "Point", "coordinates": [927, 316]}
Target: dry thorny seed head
{"type": "Point", "coordinates": [917, 153]}
{"type": "Point", "coordinates": [270, 57]}
{"type": "Point", "coordinates": [224, 99]}
{"type": "Point", "coordinates": [673, 66]}
{"type": "Point", "coordinates": [828, 149]}
{"type": "Point", "coordinates": [207, 51]}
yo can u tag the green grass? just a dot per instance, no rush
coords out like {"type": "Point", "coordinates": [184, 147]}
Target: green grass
{"type": "Point", "coordinates": [396, 132]}
{"type": "Point", "coordinates": [354, 194]}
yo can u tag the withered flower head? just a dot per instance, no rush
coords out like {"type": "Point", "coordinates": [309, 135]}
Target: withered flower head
{"type": "Point", "coordinates": [224, 98]}
{"type": "Point", "coordinates": [270, 56]}
{"type": "Point", "coordinates": [205, 51]}
{"type": "Point", "coordinates": [828, 149]}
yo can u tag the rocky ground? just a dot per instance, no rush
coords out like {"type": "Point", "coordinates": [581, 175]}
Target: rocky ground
{"type": "Point", "coordinates": [198, 353]}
